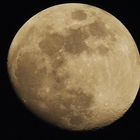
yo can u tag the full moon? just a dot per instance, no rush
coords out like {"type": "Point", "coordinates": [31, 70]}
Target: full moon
{"type": "Point", "coordinates": [75, 66]}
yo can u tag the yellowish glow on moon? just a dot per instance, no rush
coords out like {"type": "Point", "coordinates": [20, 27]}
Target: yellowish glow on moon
{"type": "Point", "coordinates": [76, 66]}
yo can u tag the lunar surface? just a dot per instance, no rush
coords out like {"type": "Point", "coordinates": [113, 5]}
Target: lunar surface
{"type": "Point", "coordinates": [75, 66]}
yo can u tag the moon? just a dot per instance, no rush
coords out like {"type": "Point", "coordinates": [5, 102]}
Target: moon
{"type": "Point", "coordinates": [75, 66]}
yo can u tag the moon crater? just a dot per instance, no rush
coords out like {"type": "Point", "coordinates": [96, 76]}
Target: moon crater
{"type": "Point", "coordinates": [79, 15]}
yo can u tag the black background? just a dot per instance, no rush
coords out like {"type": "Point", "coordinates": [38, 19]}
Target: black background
{"type": "Point", "coordinates": [17, 123]}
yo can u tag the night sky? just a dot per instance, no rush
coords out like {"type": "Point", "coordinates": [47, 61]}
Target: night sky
{"type": "Point", "coordinates": [18, 123]}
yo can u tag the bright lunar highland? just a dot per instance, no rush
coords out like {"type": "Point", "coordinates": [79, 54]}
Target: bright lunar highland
{"type": "Point", "coordinates": [75, 66]}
